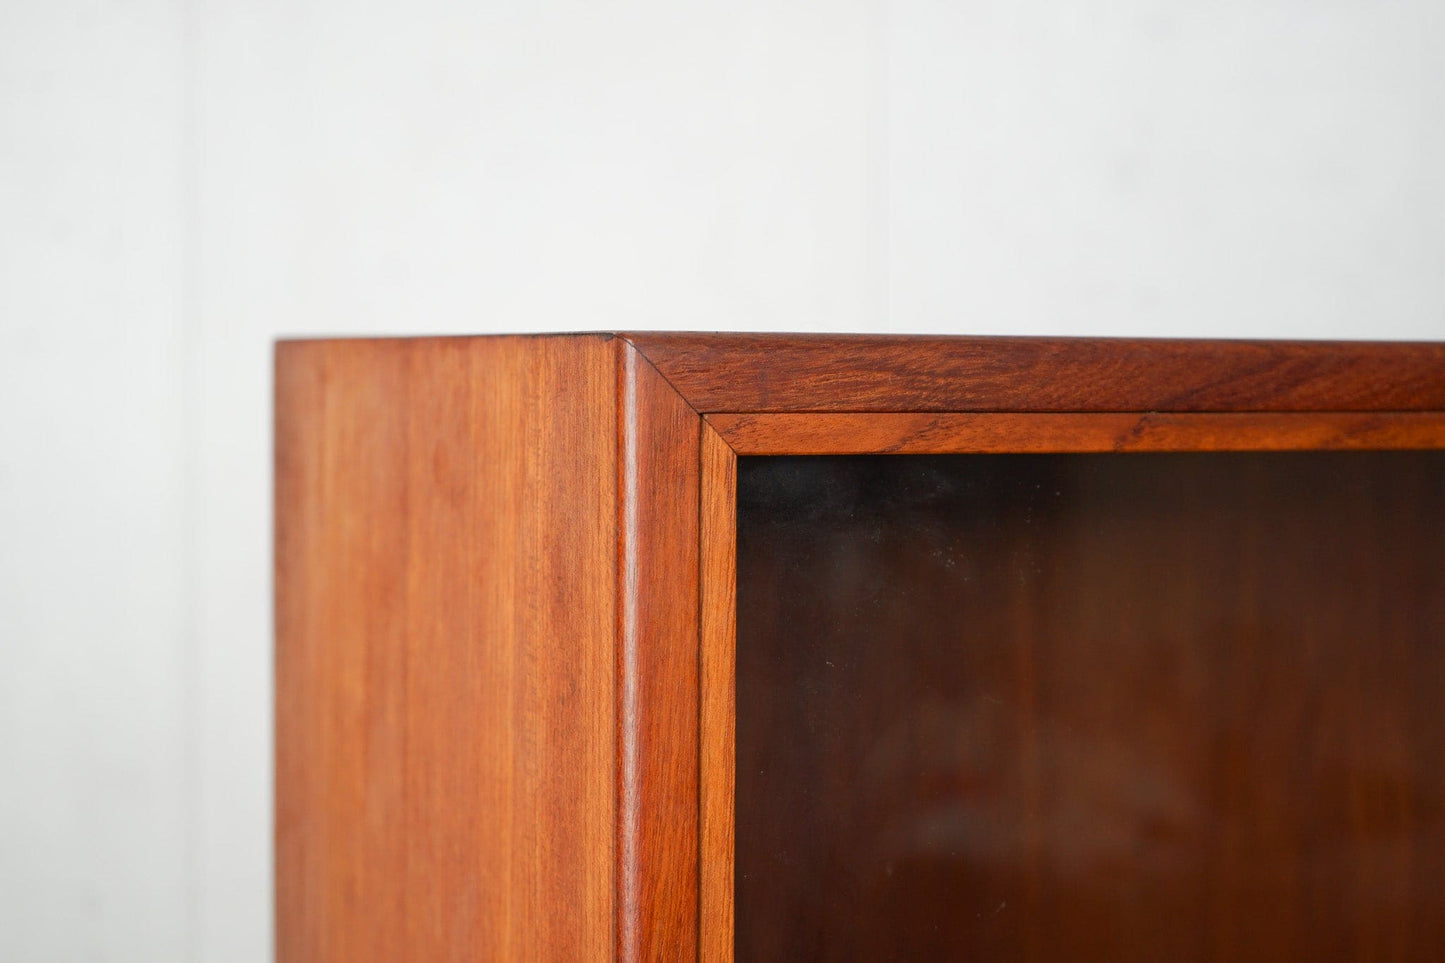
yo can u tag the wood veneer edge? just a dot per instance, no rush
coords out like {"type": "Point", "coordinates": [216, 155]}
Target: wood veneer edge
{"type": "Point", "coordinates": [1019, 432]}
{"type": "Point", "coordinates": [718, 702]}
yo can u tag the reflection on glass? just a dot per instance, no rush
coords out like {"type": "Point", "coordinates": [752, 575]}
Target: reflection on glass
{"type": "Point", "coordinates": [1091, 707]}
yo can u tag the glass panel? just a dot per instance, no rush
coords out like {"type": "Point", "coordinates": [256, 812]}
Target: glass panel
{"type": "Point", "coordinates": [1091, 707]}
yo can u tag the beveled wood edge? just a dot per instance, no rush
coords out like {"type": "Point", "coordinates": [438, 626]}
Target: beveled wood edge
{"type": "Point", "coordinates": [919, 433]}
{"type": "Point", "coordinates": [657, 665]}
{"type": "Point", "coordinates": [751, 373]}
{"type": "Point", "coordinates": [718, 700]}
{"type": "Point", "coordinates": [626, 927]}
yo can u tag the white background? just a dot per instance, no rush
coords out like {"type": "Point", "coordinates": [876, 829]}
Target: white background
{"type": "Point", "coordinates": [181, 182]}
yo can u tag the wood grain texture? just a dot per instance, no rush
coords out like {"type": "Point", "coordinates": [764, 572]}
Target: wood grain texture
{"type": "Point", "coordinates": [657, 723]}
{"type": "Point", "coordinates": [719, 621]}
{"type": "Point", "coordinates": [445, 664]}
{"type": "Point", "coordinates": [918, 433]}
{"type": "Point", "coordinates": [755, 373]}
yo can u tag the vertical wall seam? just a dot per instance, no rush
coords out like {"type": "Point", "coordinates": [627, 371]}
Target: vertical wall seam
{"type": "Point", "coordinates": [192, 384]}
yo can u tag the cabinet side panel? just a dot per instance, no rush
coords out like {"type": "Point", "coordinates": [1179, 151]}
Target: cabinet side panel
{"type": "Point", "coordinates": [445, 606]}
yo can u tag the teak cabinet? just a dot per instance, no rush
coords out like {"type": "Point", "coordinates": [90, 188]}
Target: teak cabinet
{"type": "Point", "coordinates": [675, 646]}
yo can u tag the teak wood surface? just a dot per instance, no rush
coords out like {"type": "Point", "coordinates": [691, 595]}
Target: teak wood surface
{"type": "Point", "coordinates": [504, 575]}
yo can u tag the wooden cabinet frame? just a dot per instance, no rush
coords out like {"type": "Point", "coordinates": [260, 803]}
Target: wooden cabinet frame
{"type": "Point", "coordinates": [504, 592]}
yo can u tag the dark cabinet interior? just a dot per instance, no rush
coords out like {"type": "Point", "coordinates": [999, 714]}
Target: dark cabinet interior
{"type": "Point", "coordinates": [1091, 707]}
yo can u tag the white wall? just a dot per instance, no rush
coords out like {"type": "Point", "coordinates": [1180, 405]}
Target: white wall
{"type": "Point", "coordinates": [96, 652]}
{"type": "Point", "coordinates": [181, 183]}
